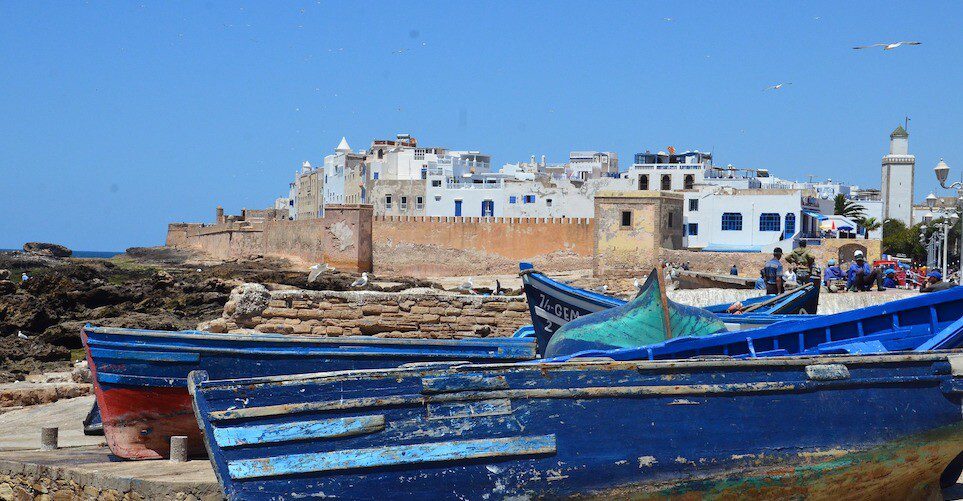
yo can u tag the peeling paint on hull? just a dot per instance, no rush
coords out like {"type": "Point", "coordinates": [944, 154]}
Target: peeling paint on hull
{"type": "Point", "coordinates": [904, 469]}
{"type": "Point", "coordinates": [763, 429]}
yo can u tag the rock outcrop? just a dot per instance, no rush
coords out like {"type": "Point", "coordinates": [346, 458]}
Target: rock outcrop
{"type": "Point", "coordinates": [47, 249]}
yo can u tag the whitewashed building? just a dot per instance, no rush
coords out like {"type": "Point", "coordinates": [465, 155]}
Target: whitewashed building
{"type": "Point", "coordinates": [726, 219]}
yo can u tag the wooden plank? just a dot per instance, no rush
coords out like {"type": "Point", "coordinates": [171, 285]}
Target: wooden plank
{"type": "Point", "coordinates": [237, 436]}
{"type": "Point", "coordinates": [391, 456]}
{"type": "Point", "coordinates": [494, 407]}
{"type": "Point", "coordinates": [462, 382]}
{"type": "Point", "coordinates": [147, 356]}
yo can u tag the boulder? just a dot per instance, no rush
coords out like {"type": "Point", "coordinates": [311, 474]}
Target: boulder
{"type": "Point", "coordinates": [48, 249]}
{"type": "Point", "coordinates": [249, 301]}
{"type": "Point", "coordinates": [7, 287]}
{"type": "Point", "coordinates": [4, 274]}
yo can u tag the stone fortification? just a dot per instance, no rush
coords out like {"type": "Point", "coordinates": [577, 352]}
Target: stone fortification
{"type": "Point", "coordinates": [423, 313]}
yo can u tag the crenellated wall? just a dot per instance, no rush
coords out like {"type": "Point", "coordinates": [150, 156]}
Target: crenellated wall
{"type": "Point", "coordinates": [427, 246]}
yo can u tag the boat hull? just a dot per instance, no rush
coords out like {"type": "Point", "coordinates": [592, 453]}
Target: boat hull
{"type": "Point", "coordinates": [553, 304]}
{"type": "Point", "coordinates": [140, 377]}
{"type": "Point", "coordinates": [802, 427]}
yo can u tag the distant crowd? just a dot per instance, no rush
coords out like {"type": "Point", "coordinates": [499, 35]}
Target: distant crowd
{"type": "Point", "coordinates": [859, 276]}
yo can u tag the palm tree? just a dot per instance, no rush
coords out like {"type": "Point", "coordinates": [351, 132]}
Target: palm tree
{"type": "Point", "coordinates": [869, 224]}
{"type": "Point", "coordinates": [843, 206]}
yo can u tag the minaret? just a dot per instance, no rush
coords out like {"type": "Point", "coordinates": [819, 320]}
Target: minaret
{"type": "Point", "coordinates": [897, 182]}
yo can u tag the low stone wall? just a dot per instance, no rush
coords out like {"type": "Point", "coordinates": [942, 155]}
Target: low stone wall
{"type": "Point", "coordinates": [420, 314]}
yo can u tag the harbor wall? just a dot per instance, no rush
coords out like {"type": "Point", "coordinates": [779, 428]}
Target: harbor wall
{"type": "Point", "coordinates": [458, 246]}
{"type": "Point", "coordinates": [426, 314]}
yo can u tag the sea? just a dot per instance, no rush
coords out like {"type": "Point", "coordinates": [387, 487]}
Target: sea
{"type": "Point", "coordinates": [82, 254]}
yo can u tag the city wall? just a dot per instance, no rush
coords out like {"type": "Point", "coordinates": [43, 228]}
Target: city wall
{"type": "Point", "coordinates": [426, 314]}
{"type": "Point", "coordinates": [458, 246]}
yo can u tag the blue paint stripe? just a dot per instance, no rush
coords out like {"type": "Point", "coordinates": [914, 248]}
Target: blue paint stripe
{"type": "Point", "coordinates": [238, 436]}
{"type": "Point", "coordinates": [391, 456]}
{"type": "Point", "coordinates": [126, 379]}
{"type": "Point", "coordinates": [149, 356]}
{"type": "Point", "coordinates": [524, 351]}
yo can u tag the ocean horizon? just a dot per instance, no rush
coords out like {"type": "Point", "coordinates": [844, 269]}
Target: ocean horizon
{"type": "Point", "coordinates": [83, 254]}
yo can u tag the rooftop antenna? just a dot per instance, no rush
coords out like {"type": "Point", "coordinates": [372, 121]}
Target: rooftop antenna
{"type": "Point", "coordinates": [906, 121]}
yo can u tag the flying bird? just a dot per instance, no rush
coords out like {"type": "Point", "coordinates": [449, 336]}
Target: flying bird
{"type": "Point", "coordinates": [886, 46]}
{"type": "Point", "coordinates": [361, 282]}
{"type": "Point", "coordinates": [778, 86]}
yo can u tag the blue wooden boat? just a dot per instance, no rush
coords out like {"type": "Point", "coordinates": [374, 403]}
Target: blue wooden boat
{"type": "Point", "coordinates": [848, 427]}
{"type": "Point", "coordinates": [140, 376]}
{"type": "Point", "coordinates": [552, 304]}
{"type": "Point", "coordinates": [925, 322]}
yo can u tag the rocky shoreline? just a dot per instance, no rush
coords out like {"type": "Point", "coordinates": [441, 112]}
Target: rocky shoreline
{"type": "Point", "coordinates": [147, 288]}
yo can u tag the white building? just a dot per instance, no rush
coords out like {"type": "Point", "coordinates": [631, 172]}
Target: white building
{"type": "Point", "coordinates": [504, 195]}
{"type": "Point", "coordinates": [592, 164]}
{"type": "Point", "coordinates": [726, 219]}
{"type": "Point", "coordinates": [897, 183]}
{"type": "Point", "coordinates": [337, 168]}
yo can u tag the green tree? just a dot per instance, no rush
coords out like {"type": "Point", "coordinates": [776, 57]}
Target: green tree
{"type": "Point", "coordinates": [869, 224]}
{"type": "Point", "coordinates": [843, 206]}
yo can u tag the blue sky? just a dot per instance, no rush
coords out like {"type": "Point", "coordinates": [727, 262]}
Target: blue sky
{"type": "Point", "coordinates": [118, 117]}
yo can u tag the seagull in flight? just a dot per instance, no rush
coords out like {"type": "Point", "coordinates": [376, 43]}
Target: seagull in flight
{"type": "Point", "coordinates": [778, 86]}
{"type": "Point", "coordinates": [886, 46]}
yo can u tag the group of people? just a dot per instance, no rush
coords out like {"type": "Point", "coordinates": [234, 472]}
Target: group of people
{"type": "Point", "coordinates": [859, 276]}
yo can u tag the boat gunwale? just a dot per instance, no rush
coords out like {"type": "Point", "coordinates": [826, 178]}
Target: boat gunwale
{"type": "Point", "coordinates": [953, 357]}
{"type": "Point", "coordinates": [299, 339]}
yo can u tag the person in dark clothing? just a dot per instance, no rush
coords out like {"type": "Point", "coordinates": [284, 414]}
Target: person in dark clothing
{"type": "Point", "coordinates": [733, 270]}
{"type": "Point", "coordinates": [772, 273]}
{"type": "Point", "coordinates": [861, 276]}
{"type": "Point", "coordinates": [935, 283]}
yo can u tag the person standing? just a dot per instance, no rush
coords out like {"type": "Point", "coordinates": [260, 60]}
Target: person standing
{"type": "Point", "coordinates": [772, 273]}
{"type": "Point", "coordinates": [801, 261]}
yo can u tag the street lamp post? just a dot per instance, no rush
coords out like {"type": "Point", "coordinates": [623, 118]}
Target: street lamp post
{"type": "Point", "coordinates": [942, 172]}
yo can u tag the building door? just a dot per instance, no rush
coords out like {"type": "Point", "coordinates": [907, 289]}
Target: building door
{"type": "Point", "coordinates": [457, 208]}
{"type": "Point", "coordinates": [488, 208]}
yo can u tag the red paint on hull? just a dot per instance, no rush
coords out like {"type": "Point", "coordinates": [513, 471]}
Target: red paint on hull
{"type": "Point", "coordinates": [138, 423]}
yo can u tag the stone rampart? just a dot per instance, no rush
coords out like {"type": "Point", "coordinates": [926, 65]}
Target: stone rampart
{"type": "Point", "coordinates": [420, 314]}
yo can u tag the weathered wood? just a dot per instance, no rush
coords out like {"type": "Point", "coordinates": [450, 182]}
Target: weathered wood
{"type": "Point", "coordinates": [237, 436]}
{"type": "Point", "coordinates": [455, 451]}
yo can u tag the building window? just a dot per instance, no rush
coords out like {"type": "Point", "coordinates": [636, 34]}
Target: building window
{"type": "Point", "coordinates": [436, 183]}
{"type": "Point", "coordinates": [790, 226]}
{"type": "Point", "coordinates": [419, 203]}
{"type": "Point", "coordinates": [670, 219]}
{"type": "Point", "coordinates": [388, 202]}
{"type": "Point", "coordinates": [731, 221]}
{"type": "Point", "coordinates": [381, 154]}
{"type": "Point", "coordinates": [769, 221]}
{"type": "Point", "coordinates": [693, 229]}
{"type": "Point", "coordinates": [626, 219]}
{"type": "Point", "coordinates": [693, 205]}
{"type": "Point", "coordinates": [548, 202]}
{"type": "Point", "coordinates": [688, 182]}
{"type": "Point", "coordinates": [666, 182]}
{"type": "Point", "coordinates": [644, 182]}
{"type": "Point", "coordinates": [375, 174]}
{"type": "Point", "coordinates": [528, 199]}
{"type": "Point", "coordinates": [438, 198]}
{"type": "Point", "coordinates": [513, 199]}
{"type": "Point", "coordinates": [404, 203]}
